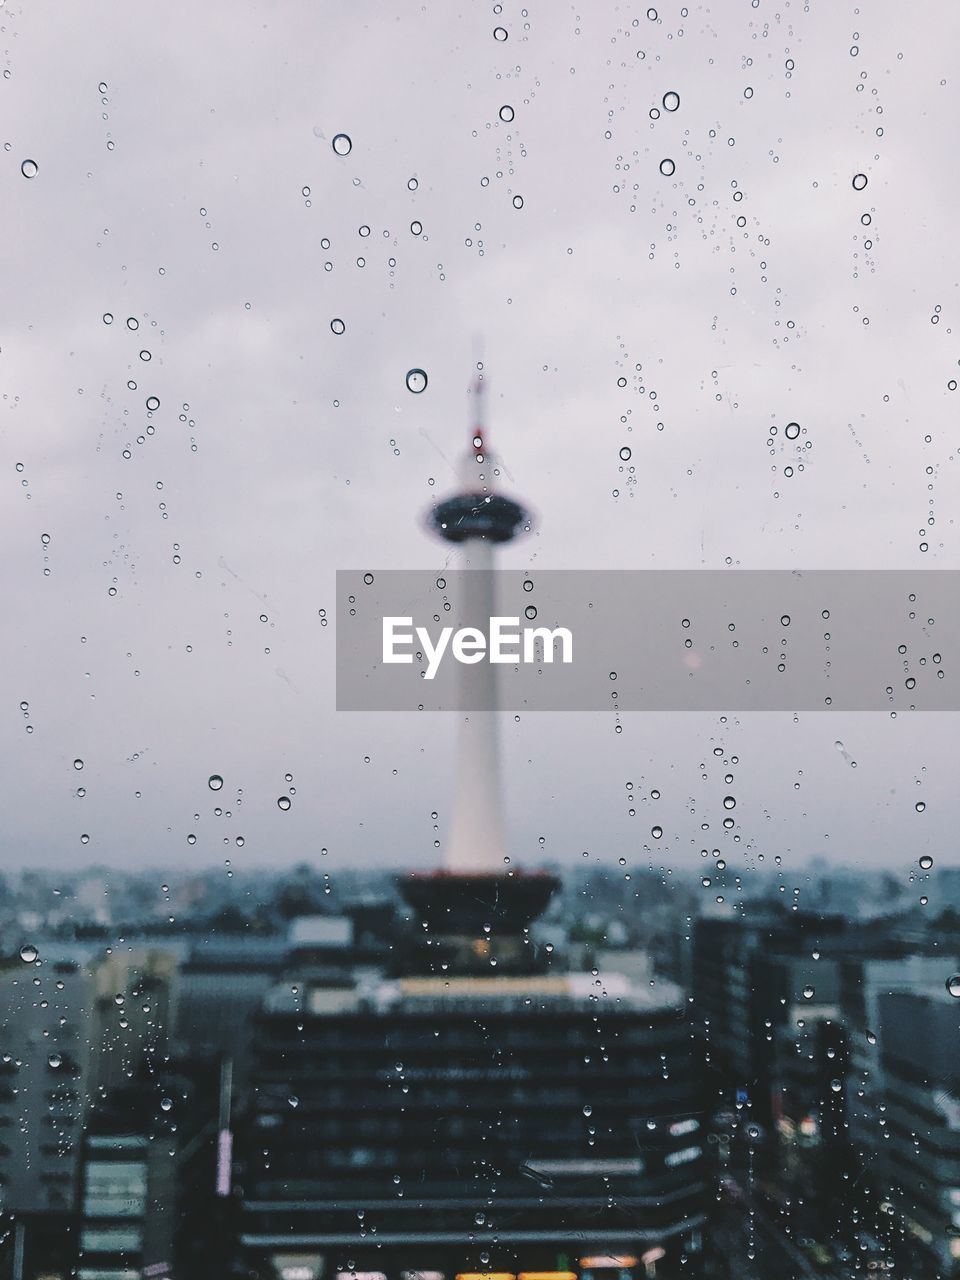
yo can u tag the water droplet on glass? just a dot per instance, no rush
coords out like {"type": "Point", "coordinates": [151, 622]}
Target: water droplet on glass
{"type": "Point", "coordinates": [283, 802]}
{"type": "Point", "coordinates": [729, 802]}
{"type": "Point", "coordinates": [926, 862]}
{"type": "Point", "coordinates": [166, 1104]}
{"type": "Point", "coordinates": [499, 33]}
{"type": "Point", "coordinates": [587, 1109]}
{"type": "Point", "coordinates": [953, 984]}
{"type": "Point", "coordinates": [808, 993]}
{"type": "Point", "coordinates": [920, 806]}
{"type": "Point", "coordinates": [107, 318]}
{"type": "Point", "coordinates": [214, 782]}
{"type": "Point", "coordinates": [152, 403]}
{"type": "Point", "coordinates": [412, 184]}
{"type": "Point", "coordinates": [671, 101]}
{"type": "Point", "coordinates": [416, 381]}
{"type": "Point", "coordinates": [656, 832]}
{"type": "Point", "coordinates": [871, 1038]}
{"type": "Point", "coordinates": [792, 430]}
{"type": "Point", "coordinates": [506, 113]}
{"type": "Point", "coordinates": [54, 1060]}
{"type": "Point", "coordinates": [337, 326]}
{"type": "Point", "coordinates": [626, 453]}
{"type": "Point", "coordinates": [342, 144]}
{"type": "Point", "coordinates": [518, 202]}
{"type": "Point", "coordinates": [29, 168]}
{"type": "Point", "coordinates": [859, 181]}
{"type": "Point", "coordinates": [78, 764]}
{"type": "Point", "coordinates": [667, 167]}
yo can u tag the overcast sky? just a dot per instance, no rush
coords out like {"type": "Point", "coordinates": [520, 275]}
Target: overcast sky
{"type": "Point", "coordinates": [173, 199]}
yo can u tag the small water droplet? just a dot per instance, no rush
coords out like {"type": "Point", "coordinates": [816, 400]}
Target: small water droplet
{"type": "Point", "coordinates": [54, 1060]}
{"type": "Point", "coordinates": [587, 1109]}
{"type": "Point", "coordinates": [337, 326]}
{"type": "Point", "coordinates": [953, 984]}
{"type": "Point", "coordinates": [78, 764]}
{"type": "Point", "coordinates": [166, 1104]}
{"type": "Point", "coordinates": [518, 202]}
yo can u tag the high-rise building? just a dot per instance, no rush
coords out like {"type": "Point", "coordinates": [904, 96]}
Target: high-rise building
{"type": "Point", "coordinates": [472, 1107]}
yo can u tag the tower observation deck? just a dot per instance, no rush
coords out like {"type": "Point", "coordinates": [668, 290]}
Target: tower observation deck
{"type": "Point", "coordinates": [475, 886]}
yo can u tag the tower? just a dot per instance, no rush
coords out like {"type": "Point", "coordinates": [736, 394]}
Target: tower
{"type": "Point", "coordinates": [477, 896]}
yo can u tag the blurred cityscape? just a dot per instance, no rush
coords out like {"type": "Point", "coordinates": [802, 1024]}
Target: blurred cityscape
{"type": "Point", "coordinates": [298, 1075]}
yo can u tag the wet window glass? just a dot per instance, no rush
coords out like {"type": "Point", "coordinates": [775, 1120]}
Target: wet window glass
{"type": "Point", "coordinates": [481, 642]}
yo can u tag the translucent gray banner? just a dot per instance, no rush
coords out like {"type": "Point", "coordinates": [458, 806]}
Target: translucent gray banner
{"type": "Point", "coordinates": [729, 640]}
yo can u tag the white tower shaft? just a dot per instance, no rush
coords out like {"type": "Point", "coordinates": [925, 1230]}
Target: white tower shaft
{"type": "Point", "coordinates": [476, 836]}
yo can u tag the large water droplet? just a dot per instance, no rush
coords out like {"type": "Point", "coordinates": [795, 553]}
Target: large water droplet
{"type": "Point", "coordinates": [153, 403]}
{"type": "Point", "coordinates": [337, 326]}
{"type": "Point", "coordinates": [166, 1104]}
{"type": "Point", "coordinates": [499, 33]}
{"type": "Point", "coordinates": [859, 181]}
{"type": "Point", "coordinates": [342, 144]}
{"type": "Point", "coordinates": [792, 430]}
{"type": "Point", "coordinates": [29, 168]}
{"type": "Point", "coordinates": [587, 1109]}
{"type": "Point", "coordinates": [729, 802]}
{"type": "Point", "coordinates": [926, 862]}
{"type": "Point", "coordinates": [671, 101]}
{"type": "Point", "coordinates": [416, 381]}
{"type": "Point", "coordinates": [667, 167]}
{"type": "Point", "coordinates": [656, 832]}
{"type": "Point", "coordinates": [506, 113]}
{"type": "Point", "coordinates": [214, 782]}
{"type": "Point", "coordinates": [54, 1060]}
{"type": "Point", "coordinates": [283, 802]}
{"type": "Point", "coordinates": [28, 953]}
{"type": "Point", "coordinates": [808, 993]}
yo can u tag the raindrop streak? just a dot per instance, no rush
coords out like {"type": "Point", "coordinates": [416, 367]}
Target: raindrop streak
{"type": "Point", "coordinates": [342, 144]}
{"type": "Point", "coordinates": [214, 782]}
{"type": "Point", "coordinates": [667, 167]}
{"type": "Point", "coordinates": [859, 181]}
{"type": "Point", "coordinates": [416, 381]}
{"type": "Point", "coordinates": [671, 101]}
{"type": "Point", "coordinates": [29, 168]}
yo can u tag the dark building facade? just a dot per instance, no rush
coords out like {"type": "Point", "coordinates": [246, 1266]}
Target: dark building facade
{"type": "Point", "coordinates": [459, 1124]}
